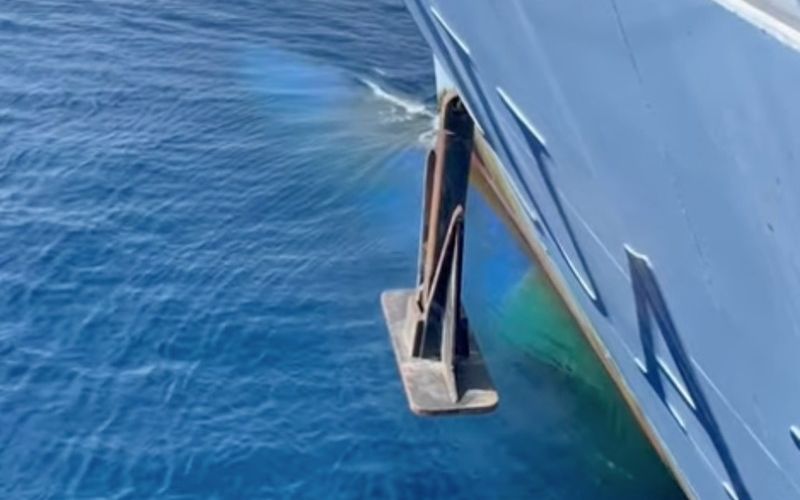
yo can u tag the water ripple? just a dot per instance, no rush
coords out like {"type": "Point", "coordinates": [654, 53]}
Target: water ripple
{"type": "Point", "coordinates": [199, 205]}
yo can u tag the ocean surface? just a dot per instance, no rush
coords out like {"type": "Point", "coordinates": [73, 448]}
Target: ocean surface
{"type": "Point", "coordinates": [200, 203]}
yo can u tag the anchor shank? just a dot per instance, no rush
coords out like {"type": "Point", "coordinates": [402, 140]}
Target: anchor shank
{"type": "Point", "coordinates": [447, 180]}
{"type": "Point", "coordinates": [446, 186]}
{"type": "Point", "coordinates": [440, 364]}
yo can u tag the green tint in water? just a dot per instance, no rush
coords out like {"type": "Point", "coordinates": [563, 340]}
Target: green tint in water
{"type": "Point", "coordinates": [539, 323]}
{"type": "Point", "coordinates": [618, 455]}
{"type": "Point", "coordinates": [549, 378]}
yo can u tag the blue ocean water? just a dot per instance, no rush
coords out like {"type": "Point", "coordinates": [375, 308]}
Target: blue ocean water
{"type": "Point", "coordinates": [200, 203]}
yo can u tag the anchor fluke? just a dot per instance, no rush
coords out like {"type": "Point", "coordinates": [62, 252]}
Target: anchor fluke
{"type": "Point", "coordinates": [438, 359]}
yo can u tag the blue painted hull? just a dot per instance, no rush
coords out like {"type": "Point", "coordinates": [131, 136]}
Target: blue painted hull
{"type": "Point", "coordinates": [654, 150]}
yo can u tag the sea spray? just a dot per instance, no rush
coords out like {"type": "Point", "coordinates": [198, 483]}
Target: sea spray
{"type": "Point", "coordinates": [360, 112]}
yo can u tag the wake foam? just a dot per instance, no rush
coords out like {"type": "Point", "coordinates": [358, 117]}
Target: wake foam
{"type": "Point", "coordinates": [407, 105]}
{"type": "Point", "coordinates": [404, 110]}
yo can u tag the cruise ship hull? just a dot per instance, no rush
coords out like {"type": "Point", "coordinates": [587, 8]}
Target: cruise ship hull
{"type": "Point", "coordinates": [646, 153]}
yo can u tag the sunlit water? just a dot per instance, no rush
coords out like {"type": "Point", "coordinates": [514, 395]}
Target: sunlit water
{"type": "Point", "coordinates": [200, 203]}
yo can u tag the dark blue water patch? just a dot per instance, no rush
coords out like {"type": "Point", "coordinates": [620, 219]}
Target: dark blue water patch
{"type": "Point", "coordinates": [198, 212]}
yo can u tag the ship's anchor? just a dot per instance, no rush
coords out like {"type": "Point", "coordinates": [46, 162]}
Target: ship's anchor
{"type": "Point", "coordinates": [438, 359]}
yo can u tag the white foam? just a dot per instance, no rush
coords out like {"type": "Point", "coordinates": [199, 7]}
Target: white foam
{"type": "Point", "coordinates": [428, 138]}
{"type": "Point", "coordinates": [410, 107]}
